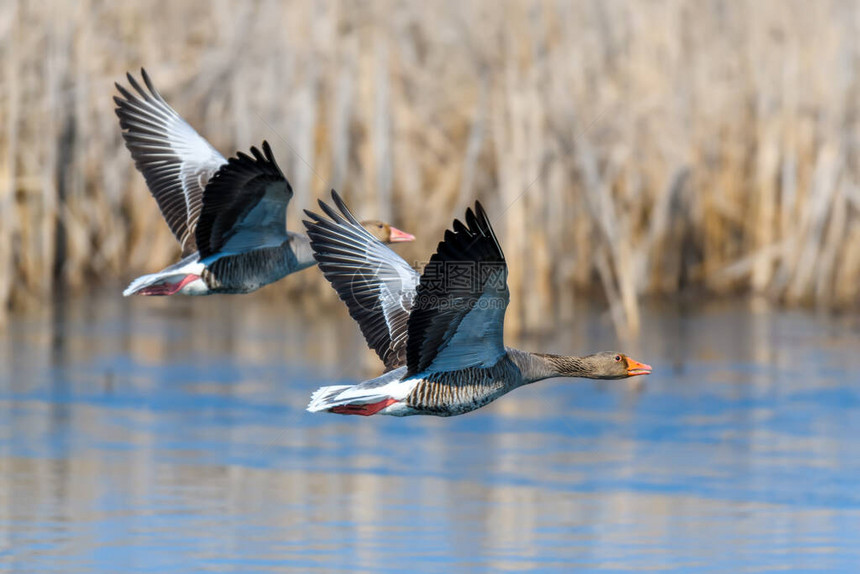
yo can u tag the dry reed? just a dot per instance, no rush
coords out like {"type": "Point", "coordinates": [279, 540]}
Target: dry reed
{"type": "Point", "coordinates": [637, 148]}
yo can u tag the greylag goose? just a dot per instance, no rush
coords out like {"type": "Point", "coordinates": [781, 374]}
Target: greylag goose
{"type": "Point", "coordinates": [229, 216]}
{"type": "Point", "coordinates": [440, 334]}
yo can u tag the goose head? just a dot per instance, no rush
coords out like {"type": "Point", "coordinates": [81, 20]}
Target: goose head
{"type": "Point", "coordinates": [614, 365]}
{"type": "Point", "coordinates": [385, 232]}
{"type": "Point", "coordinates": [605, 365]}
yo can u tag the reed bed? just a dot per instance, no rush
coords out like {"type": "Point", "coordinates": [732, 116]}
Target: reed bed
{"type": "Point", "coordinates": [622, 148]}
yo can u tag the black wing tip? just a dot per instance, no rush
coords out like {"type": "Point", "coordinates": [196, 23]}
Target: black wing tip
{"type": "Point", "coordinates": [266, 156]}
{"type": "Point", "coordinates": [345, 217]}
{"type": "Point", "coordinates": [341, 205]}
{"type": "Point", "coordinates": [149, 94]}
{"type": "Point", "coordinates": [315, 220]}
{"type": "Point", "coordinates": [267, 150]}
{"type": "Point", "coordinates": [264, 159]}
{"type": "Point", "coordinates": [331, 213]}
{"type": "Point", "coordinates": [477, 220]}
{"type": "Point", "coordinates": [460, 228]}
{"type": "Point", "coordinates": [477, 224]}
{"type": "Point", "coordinates": [483, 219]}
{"type": "Point", "coordinates": [241, 157]}
{"type": "Point", "coordinates": [153, 92]}
{"type": "Point", "coordinates": [473, 239]}
{"type": "Point", "coordinates": [126, 97]}
{"type": "Point", "coordinates": [135, 85]}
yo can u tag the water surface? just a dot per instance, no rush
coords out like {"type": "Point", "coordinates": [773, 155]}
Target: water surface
{"type": "Point", "coordinates": [168, 435]}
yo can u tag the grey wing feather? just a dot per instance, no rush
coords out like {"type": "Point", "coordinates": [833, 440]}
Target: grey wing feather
{"type": "Point", "coordinates": [376, 284]}
{"type": "Point", "coordinates": [175, 160]}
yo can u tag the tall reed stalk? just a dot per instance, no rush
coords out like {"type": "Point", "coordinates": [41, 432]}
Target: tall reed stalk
{"type": "Point", "coordinates": [624, 148]}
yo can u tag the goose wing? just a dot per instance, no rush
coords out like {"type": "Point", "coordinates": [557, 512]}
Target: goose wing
{"type": "Point", "coordinates": [458, 315]}
{"type": "Point", "coordinates": [175, 160]}
{"type": "Point", "coordinates": [244, 206]}
{"type": "Point", "coordinates": [376, 284]}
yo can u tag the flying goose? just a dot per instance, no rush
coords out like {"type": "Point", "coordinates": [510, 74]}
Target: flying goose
{"type": "Point", "coordinates": [440, 334]}
{"type": "Point", "coordinates": [229, 216]}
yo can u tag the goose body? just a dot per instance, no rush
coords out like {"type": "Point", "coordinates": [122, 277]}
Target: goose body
{"type": "Point", "coordinates": [439, 334]}
{"type": "Point", "coordinates": [229, 215]}
{"type": "Point", "coordinates": [443, 394]}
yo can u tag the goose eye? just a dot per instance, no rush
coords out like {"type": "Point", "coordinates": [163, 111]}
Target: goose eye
{"type": "Point", "coordinates": [618, 358]}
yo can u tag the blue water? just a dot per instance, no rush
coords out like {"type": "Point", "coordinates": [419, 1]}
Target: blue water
{"type": "Point", "coordinates": [168, 435]}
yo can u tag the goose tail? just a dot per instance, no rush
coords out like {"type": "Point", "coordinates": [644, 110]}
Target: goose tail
{"type": "Point", "coordinates": [349, 400]}
{"type": "Point", "coordinates": [184, 276]}
{"type": "Point", "coordinates": [324, 398]}
{"type": "Point", "coordinates": [142, 282]}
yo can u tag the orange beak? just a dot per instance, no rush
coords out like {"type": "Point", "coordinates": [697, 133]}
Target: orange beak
{"type": "Point", "coordinates": [636, 368]}
{"type": "Point", "coordinates": [397, 236]}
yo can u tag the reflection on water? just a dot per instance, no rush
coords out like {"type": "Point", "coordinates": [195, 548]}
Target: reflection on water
{"type": "Point", "coordinates": [170, 436]}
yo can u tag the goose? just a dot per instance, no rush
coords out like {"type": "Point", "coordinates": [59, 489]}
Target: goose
{"type": "Point", "coordinates": [229, 216]}
{"type": "Point", "coordinates": [440, 334]}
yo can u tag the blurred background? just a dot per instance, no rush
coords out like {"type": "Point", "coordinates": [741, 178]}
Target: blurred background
{"type": "Point", "coordinates": [674, 179]}
{"type": "Point", "coordinates": [623, 149]}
